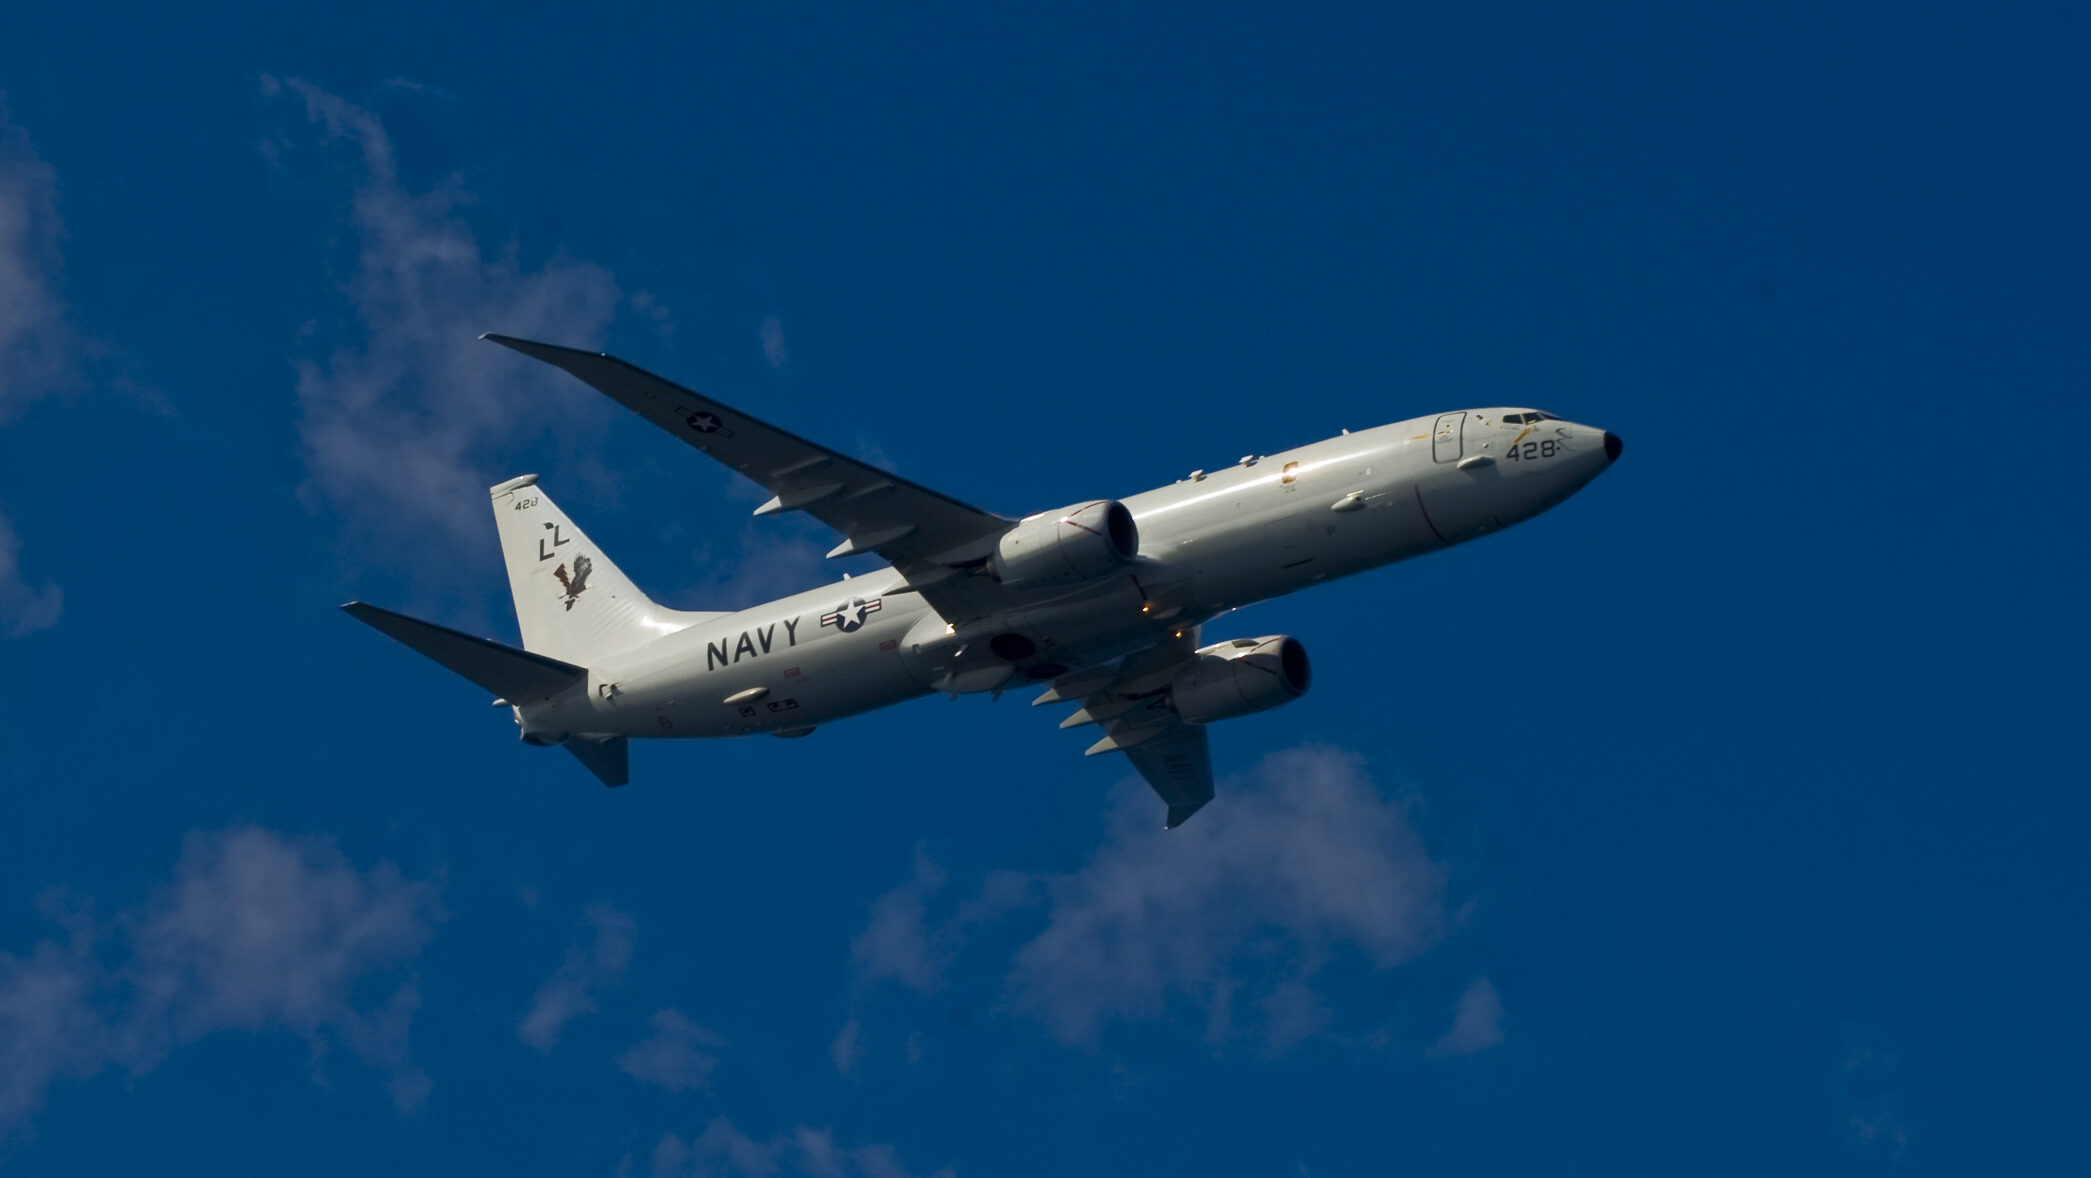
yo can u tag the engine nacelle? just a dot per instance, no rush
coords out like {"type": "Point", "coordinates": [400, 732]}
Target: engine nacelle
{"type": "Point", "coordinates": [1230, 679]}
{"type": "Point", "coordinates": [1078, 543]}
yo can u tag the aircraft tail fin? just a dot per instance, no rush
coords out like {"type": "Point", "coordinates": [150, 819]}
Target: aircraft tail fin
{"type": "Point", "coordinates": [571, 600]}
{"type": "Point", "coordinates": [518, 676]}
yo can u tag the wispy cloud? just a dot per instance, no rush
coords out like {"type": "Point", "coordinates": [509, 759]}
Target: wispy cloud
{"type": "Point", "coordinates": [900, 942]}
{"type": "Point", "coordinates": [601, 952]}
{"type": "Point", "coordinates": [25, 608]}
{"type": "Point", "coordinates": [767, 566]}
{"type": "Point", "coordinates": [1865, 1092]}
{"type": "Point", "coordinates": [1477, 1024]}
{"type": "Point", "coordinates": [845, 1050]}
{"type": "Point", "coordinates": [723, 1149]}
{"type": "Point", "coordinates": [404, 415]}
{"type": "Point", "coordinates": [677, 1056]}
{"type": "Point", "coordinates": [773, 346]}
{"type": "Point", "coordinates": [36, 344]}
{"type": "Point", "coordinates": [256, 931]}
{"type": "Point", "coordinates": [1301, 862]}
{"type": "Point", "coordinates": [896, 943]}
{"type": "Point", "coordinates": [1305, 854]}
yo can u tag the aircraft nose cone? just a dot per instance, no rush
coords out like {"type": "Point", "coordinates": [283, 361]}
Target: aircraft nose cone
{"type": "Point", "coordinates": [1613, 446]}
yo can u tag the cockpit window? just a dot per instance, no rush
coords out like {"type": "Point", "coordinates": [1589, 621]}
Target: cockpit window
{"type": "Point", "coordinates": [1528, 418]}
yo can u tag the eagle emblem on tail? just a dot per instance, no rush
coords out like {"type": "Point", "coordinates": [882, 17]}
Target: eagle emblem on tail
{"type": "Point", "coordinates": [574, 584]}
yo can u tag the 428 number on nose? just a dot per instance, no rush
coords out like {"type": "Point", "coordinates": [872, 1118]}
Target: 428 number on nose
{"type": "Point", "coordinates": [1545, 449]}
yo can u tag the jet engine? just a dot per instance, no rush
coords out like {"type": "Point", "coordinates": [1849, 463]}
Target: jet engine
{"type": "Point", "coordinates": [1078, 543]}
{"type": "Point", "coordinates": [1230, 679]}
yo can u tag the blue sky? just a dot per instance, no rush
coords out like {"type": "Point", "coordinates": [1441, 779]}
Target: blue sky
{"type": "Point", "coordinates": [1725, 818]}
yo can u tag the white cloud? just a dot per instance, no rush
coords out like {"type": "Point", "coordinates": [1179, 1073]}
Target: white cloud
{"type": "Point", "coordinates": [1301, 861]}
{"type": "Point", "coordinates": [766, 566]}
{"type": "Point", "coordinates": [49, 1026]}
{"type": "Point", "coordinates": [256, 931]}
{"type": "Point", "coordinates": [804, 1150]}
{"type": "Point", "coordinates": [404, 418]}
{"type": "Point", "coordinates": [1302, 856]}
{"type": "Point", "coordinates": [675, 1055]}
{"type": "Point", "coordinates": [1865, 1091]}
{"type": "Point", "coordinates": [845, 1050]}
{"type": "Point", "coordinates": [36, 345]}
{"type": "Point", "coordinates": [773, 346]}
{"type": "Point", "coordinates": [896, 943]}
{"type": "Point", "coordinates": [24, 608]}
{"type": "Point", "coordinates": [1477, 1025]}
{"type": "Point", "coordinates": [591, 964]}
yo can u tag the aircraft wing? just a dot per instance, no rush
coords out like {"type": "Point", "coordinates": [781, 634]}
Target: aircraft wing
{"type": "Point", "coordinates": [914, 528]}
{"type": "Point", "coordinates": [1131, 704]}
{"type": "Point", "coordinates": [1178, 764]}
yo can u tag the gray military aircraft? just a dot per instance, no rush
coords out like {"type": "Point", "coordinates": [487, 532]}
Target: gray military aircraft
{"type": "Point", "coordinates": [1101, 601]}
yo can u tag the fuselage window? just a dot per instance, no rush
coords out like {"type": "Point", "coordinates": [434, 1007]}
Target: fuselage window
{"type": "Point", "coordinates": [1291, 472]}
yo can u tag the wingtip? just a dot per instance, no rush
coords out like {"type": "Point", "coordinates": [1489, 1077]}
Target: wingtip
{"type": "Point", "coordinates": [529, 347]}
{"type": "Point", "coordinates": [557, 355]}
{"type": "Point", "coordinates": [366, 613]}
{"type": "Point", "coordinates": [1178, 815]}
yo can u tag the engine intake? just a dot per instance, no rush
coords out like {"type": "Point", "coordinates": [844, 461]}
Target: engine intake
{"type": "Point", "coordinates": [1078, 543]}
{"type": "Point", "coordinates": [1230, 679]}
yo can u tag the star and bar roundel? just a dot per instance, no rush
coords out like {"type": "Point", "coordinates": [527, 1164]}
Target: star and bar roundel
{"type": "Point", "coordinates": [850, 616]}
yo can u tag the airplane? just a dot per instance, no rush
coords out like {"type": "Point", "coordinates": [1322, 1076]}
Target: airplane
{"type": "Point", "coordinates": [1100, 602]}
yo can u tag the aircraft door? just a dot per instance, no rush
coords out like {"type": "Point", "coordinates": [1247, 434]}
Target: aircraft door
{"type": "Point", "coordinates": [1445, 445]}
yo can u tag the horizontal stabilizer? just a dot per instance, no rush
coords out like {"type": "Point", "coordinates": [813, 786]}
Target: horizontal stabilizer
{"type": "Point", "coordinates": [608, 757]}
{"type": "Point", "coordinates": [515, 675]}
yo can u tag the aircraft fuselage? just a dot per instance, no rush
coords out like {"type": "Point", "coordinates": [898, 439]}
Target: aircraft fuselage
{"type": "Point", "coordinates": [1209, 543]}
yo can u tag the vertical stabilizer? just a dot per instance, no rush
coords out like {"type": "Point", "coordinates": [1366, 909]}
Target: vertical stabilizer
{"type": "Point", "coordinates": [573, 603]}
